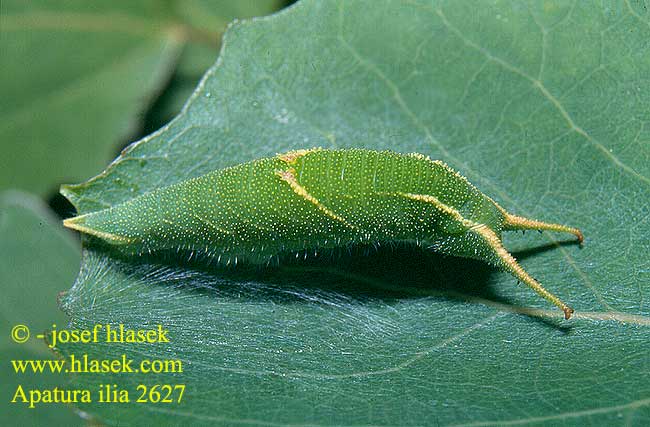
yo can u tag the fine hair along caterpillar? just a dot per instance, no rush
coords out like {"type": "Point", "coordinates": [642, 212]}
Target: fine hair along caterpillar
{"type": "Point", "coordinates": [319, 198]}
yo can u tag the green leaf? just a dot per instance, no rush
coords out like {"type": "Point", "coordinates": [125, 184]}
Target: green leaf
{"type": "Point", "coordinates": [76, 75]}
{"type": "Point", "coordinates": [196, 58]}
{"type": "Point", "coordinates": [544, 107]}
{"type": "Point", "coordinates": [38, 260]}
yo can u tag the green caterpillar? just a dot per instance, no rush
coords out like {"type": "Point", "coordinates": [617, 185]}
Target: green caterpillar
{"type": "Point", "coordinates": [318, 198]}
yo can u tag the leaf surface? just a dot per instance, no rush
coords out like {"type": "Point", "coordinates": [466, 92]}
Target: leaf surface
{"type": "Point", "coordinates": [544, 108]}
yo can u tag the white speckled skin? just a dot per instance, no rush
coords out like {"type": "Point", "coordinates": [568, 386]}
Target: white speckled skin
{"type": "Point", "coordinates": [307, 199]}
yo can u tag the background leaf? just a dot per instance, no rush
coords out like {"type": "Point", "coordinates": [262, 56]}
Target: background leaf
{"type": "Point", "coordinates": [77, 75]}
{"type": "Point", "coordinates": [543, 106]}
{"type": "Point", "coordinates": [29, 232]}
